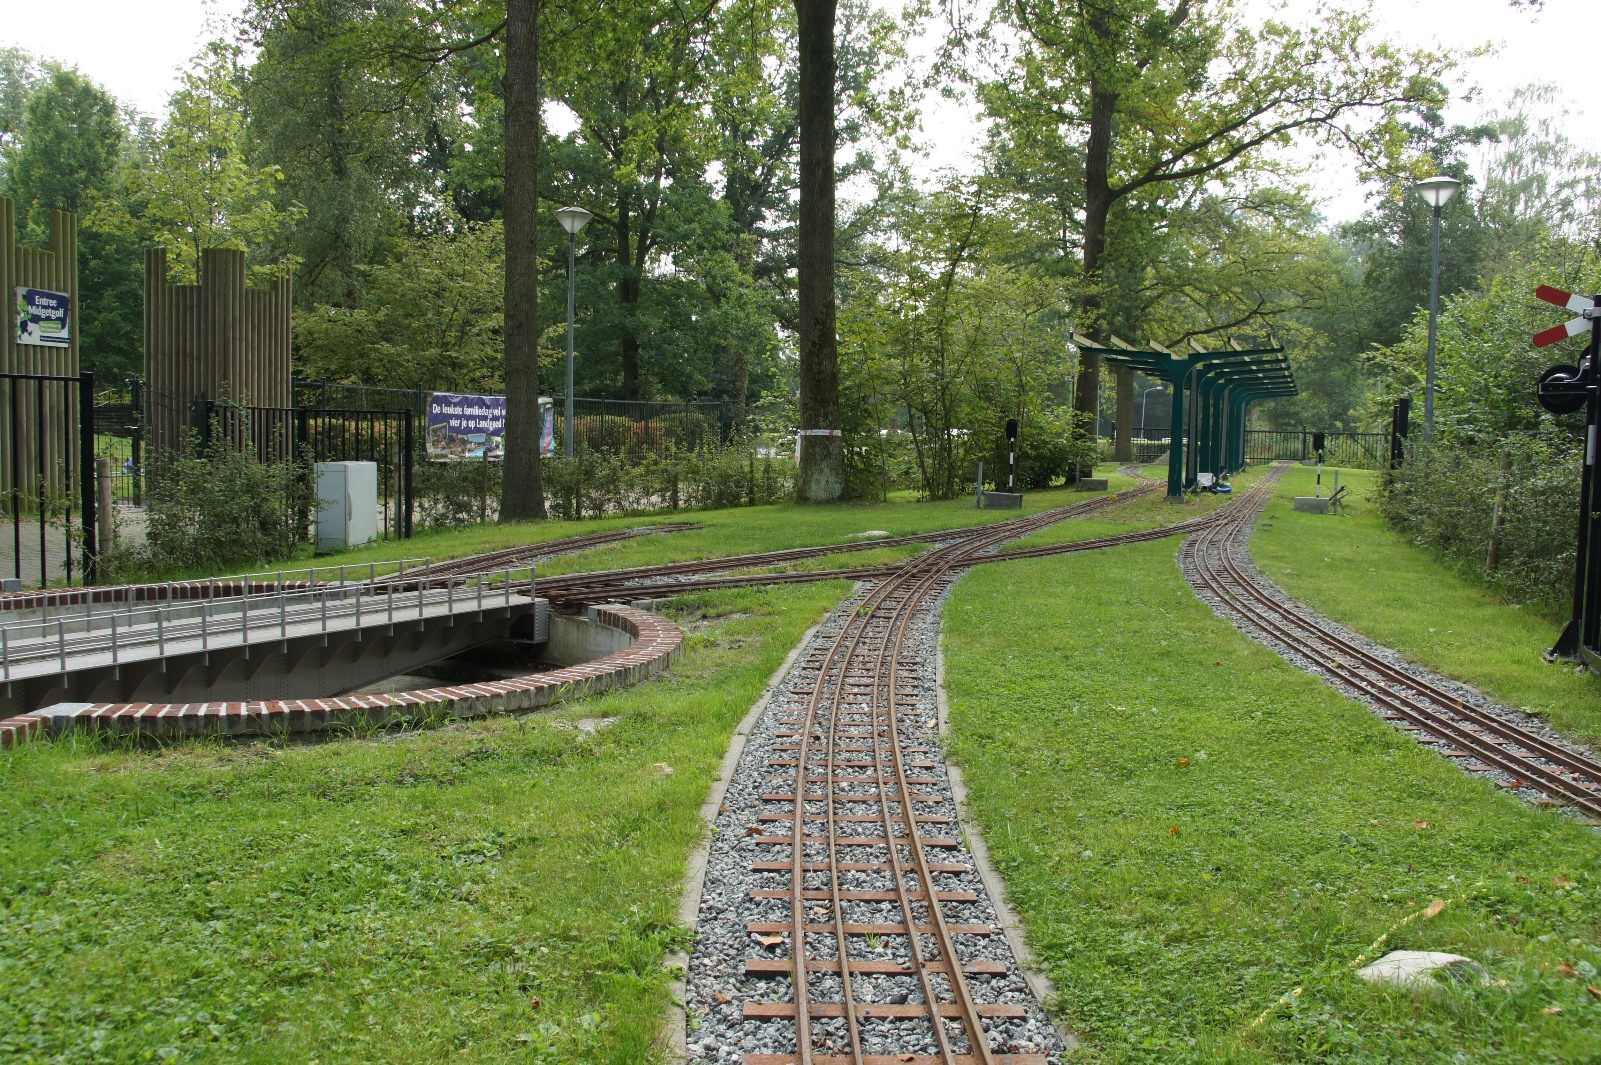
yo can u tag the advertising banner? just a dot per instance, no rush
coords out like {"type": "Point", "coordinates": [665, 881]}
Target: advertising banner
{"type": "Point", "coordinates": [474, 427]}
{"type": "Point", "coordinates": [44, 318]}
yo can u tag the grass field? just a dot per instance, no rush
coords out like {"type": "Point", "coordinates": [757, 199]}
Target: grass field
{"type": "Point", "coordinates": [1205, 842]}
{"type": "Point", "coordinates": [1355, 569]}
{"type": "Point", "coordinates": [498, 891]}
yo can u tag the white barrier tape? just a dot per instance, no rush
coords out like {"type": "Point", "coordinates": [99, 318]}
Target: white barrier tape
{"type": "Point", "coordinates": [820, 432]}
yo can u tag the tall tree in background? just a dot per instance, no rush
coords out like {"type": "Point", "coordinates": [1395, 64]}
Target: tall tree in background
{"type": "Point", "coordinates": [820, 477]}
{"type": "Point", "coordinates": [1155, 93]}
{"type": "Point", "coordinates": [523, 489]}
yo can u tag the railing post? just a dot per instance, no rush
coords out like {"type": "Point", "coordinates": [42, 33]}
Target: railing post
{"type": "Point", "coordinates": [86, 459]}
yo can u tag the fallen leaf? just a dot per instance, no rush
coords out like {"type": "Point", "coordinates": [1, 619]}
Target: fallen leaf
{"type": "Point", "coordinates": [1373, 820]}
{"type": "Point", "coordinates": [1567, 970]}
{"type": "Point", "coordinates": [1524, 880]}
{"type": "Point", "coordinates": [720, 998]}
{"type": "Point", "coordinates": [931, 723]}
{"type": "Point", "coordinates": [905, 1057]}
{"type": "Point", "coordinates": [1596, 991]}
{"type": "Point", "coordinates": [1553, 1010]}
{"type": "Point", "coordinates": [1561, 881]}
{"type": "Point", "coordinates": [752, 830]}
{"type": "Point", "coordinates": [1420, 825]}
{"type": "Point", "coordinates": [533, 1002]}
{"type": "Point", "coordinates": [664, 769]}
{"type": "Point", "coordinates": [1217, 663]}
{"type": "Point", "coordinates": [1434, 909]}
{"type": "Point", "coordinates": [770, 941]}
{"type": "Point", "coordinates": [1183, 762]}
{"type": "Point", "coordinates": [1173, 831]}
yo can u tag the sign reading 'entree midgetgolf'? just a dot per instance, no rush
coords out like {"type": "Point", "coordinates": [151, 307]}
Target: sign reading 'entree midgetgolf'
{"type": "Point", "coordinates": [44, 318]}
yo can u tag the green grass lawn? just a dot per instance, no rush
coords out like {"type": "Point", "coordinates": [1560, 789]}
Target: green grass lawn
{"type": "Point", "coordinates": [1355, 569]}
{"type": "Point", "coordinates": [1204, 841]}
{"type": "Point", "coordinates": [495, 891]}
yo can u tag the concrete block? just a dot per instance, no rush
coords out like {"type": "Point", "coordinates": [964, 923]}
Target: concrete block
{"type": "Point", "coordinates": [1002, 501]}
{"type": "Point", "coordinates": [1312, 504]}
{"type": "Point", "coordinates": [1091, 484]}
{"type": "Point", "coordinates": [1422, 969]}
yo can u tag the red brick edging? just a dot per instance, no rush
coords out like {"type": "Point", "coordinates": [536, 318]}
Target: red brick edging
{"type": "Point", "coordinates": [658, 643]}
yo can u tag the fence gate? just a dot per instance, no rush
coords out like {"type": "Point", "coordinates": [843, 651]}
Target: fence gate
{"type": "Point", "coordinates": [47, 489]}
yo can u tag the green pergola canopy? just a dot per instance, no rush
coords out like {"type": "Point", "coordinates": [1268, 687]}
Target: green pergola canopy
{"type": "Point", "coordinates": [1224, 383]}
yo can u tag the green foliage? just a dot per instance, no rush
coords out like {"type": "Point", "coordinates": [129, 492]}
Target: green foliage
{"type": "Point", "coordinates": [1486, 369]}
{"type": "Point", "coordinates": [195, 185]}
{"type": "Point", "coordinates": [218, 513]}
{"type": "Point", "coordinates": [430, 317]}
{"type": "Point", "coordinates": [1051, 447]}
{"type": "Point", "coordinates": [1445, 498]}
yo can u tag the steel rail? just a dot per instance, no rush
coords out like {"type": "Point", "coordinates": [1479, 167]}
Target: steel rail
{"type": "Point", "coordinates": [893, 603]}
{"type": "Point", "coordinates": [1212, 552]}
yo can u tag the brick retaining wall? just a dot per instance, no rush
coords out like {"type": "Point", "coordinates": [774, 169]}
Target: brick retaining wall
{"type": "Point", "coordinates": [657, 644]}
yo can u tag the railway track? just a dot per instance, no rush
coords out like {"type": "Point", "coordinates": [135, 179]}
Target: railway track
{"type": "Point", "coordinates": [1217, 561]}
{"type": "Point", "coordinates": [680, 577]}
{"type": "Point", "coordinates": [856, 858]}
{"type": "Point", "coordinates": [518, 557]}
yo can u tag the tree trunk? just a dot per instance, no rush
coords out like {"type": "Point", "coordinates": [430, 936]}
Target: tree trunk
{"type": "Point", "coordinates": [522, 495]}
{"type": "Point", "coordinates": [1097, 205]}
{"type": "Point", "coordinates": [1124, 452]}
{"type": "Point", "coordinates": [820, 477]}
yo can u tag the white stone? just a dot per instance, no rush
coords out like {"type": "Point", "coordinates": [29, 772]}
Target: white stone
{"type": "Point", "coordinates": [1422, 969]}
{"type": "Point", "coordinates": [870, 534]}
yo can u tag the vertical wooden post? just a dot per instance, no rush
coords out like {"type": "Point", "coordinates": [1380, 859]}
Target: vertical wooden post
{"type": "Point", "coordinates": [1498, 517]}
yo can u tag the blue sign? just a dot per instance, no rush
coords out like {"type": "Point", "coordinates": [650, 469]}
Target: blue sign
{"type": "Point", "coordinates": [474, 427]}
{"type": "Point", "coordinates": [44, 318]}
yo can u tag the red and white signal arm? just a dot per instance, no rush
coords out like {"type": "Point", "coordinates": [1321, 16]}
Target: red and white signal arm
{"type": "Point", "coordinates": [1583, 305]}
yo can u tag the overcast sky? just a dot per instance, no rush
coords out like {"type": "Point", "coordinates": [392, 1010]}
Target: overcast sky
{"type": "Point", "coordinates": [134, 49]}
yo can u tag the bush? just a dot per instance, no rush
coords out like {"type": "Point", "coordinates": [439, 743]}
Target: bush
{"type": "Point", "coordinates": [607, 483]}
{"type": "Point", "coordinates": [221, 512]}
{"type": "Point", "coordinates": [1048, 450]}
{"type": "Point", "coordinates": [1444, 499]}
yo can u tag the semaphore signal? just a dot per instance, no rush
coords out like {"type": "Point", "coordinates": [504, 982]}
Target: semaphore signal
{"type": "Point", "coordinates": [1583, 305]}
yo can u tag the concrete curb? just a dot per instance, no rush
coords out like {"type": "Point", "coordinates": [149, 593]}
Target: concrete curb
{"type": "Point", "coordinates": [1016, 936]}
{"type": "Point", "coordinates": [677, 1020]}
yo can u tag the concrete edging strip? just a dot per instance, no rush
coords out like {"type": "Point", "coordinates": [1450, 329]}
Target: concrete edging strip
{"type": "Point", "coordinates": [1016, 936]}
{"type": "Point", "coordinates": [677, 1021]}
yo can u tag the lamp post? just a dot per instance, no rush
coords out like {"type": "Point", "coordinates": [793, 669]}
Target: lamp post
{"type": "Point", "coordinates": [1436, 192]}
{"type": "Point", "coordinates": [572, 219]}
{"type": "Point", "coordinates": [1148, 391]}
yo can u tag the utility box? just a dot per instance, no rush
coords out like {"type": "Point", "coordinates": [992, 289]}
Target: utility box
{"type": "Point", "coordinates": [347, 505]}
{"type": "Point", "coordinates": [1002, 500]}
{"type": "Point", "coordinates": [1312, 504]}
{"type": "Point", "coordinates": [1091, 484]}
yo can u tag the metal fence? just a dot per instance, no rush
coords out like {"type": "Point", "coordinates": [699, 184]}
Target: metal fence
{"type": "Point", "coordinates": [47, 476]}
{"type": "Point", "coordinates": [284, 434]}
{"type": "Point", "coordinates": [1369, 451]}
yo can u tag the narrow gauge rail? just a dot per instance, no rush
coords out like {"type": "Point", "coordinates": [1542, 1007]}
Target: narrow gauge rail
{"type": "Point", "coordinates": [1436, 715]}
{"type": "Point", "coordinates": [640, 581]}
{"type": "Point", "coordinates": [858, 731]}
{"type": "Point", "coordinates": [518, 557]}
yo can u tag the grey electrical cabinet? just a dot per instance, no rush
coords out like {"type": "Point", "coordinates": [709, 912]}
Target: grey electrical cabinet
{"type": "Point", "coordinates": [347, 505]}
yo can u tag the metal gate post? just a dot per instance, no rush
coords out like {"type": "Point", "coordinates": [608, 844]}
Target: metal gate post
{"type": "Point", "coordinates": [405, 488]}
{"type": "Point", "coordinates": [136, 388]}
{"type": "Point", "coordinates": [86, 476]}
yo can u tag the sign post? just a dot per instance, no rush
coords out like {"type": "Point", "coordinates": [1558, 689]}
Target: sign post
{"type": "Point", "coordinates": [1564, 390]}
{"type": "Point", "coordinates": [1011, 443]}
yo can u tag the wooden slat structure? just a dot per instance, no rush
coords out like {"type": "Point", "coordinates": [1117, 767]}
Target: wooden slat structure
{"type": "Point", "coordinates": [219, 340]}
{"type": "Point", "coordinates": [55, 269]}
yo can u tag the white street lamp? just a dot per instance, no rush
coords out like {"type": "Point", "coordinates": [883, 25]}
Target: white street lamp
{"type": "Point", "coordinates": [1436, 192]}
{"type": "Point", "coordinates": [1148, 391]}
{"type": "Point", "coordinates": [572, 219]}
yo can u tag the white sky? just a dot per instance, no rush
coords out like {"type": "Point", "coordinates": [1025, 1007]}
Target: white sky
{"type": "Point", "coordinates": [135, 48]}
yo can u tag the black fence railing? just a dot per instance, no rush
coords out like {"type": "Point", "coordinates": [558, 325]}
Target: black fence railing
{"type": "Point", "coordinates": [47, 490]}
{"type": "Point", "coordinates": [1368, 451]}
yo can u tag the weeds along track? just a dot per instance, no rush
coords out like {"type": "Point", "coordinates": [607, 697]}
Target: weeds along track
{"type": "Point", "coordinates": [1518, 752]}
{"type": "Point", "coordinates": [847, 841]}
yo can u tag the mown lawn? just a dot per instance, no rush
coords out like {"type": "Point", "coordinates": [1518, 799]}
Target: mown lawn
{"type": "Point", "coordinates": [1355, 569]}
{"type": "Point", "coordinates": [1205, 842]}
{"type": "Point", "coordinates": [494, 891]}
